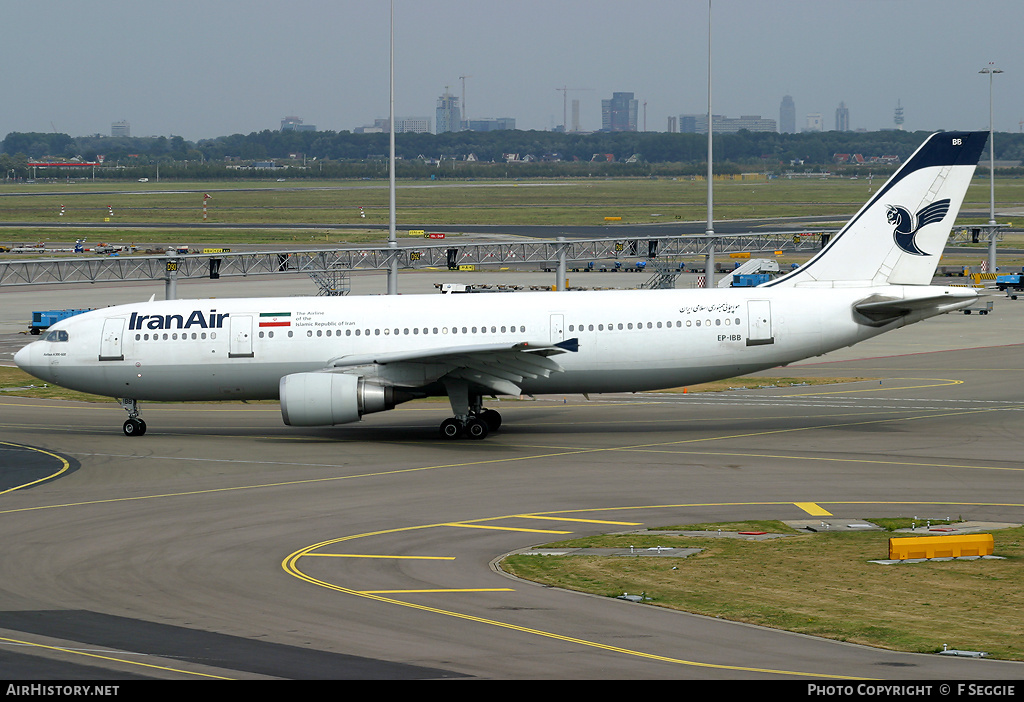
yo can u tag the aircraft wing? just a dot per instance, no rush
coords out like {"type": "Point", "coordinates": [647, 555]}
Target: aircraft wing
{"type": "Point", "coordinates": [497, 367]}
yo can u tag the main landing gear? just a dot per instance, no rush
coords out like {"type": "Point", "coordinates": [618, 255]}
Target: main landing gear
{"type": "Point", "coordinates": [473, 426]}
{"type": "Point", "coordinates": [133, 426]}
{"type": "Point", "coordinates": [471, 420]}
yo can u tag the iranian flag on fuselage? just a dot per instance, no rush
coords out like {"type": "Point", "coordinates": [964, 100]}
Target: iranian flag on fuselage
{"type": "Point", "coordinates": [275, 319]}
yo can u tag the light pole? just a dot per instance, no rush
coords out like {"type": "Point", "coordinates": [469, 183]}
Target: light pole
{"type": "Point", "coordinates": [709, 265]}
{"type": "Point", "coordinates": [392, 234]}
{"type": "Point", "coordinates": [991, 71]}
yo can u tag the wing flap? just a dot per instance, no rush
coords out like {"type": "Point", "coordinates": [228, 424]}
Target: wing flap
{"type": "Point", "coordinates": [498, 368]}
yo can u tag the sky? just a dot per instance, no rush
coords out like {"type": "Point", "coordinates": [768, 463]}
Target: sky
{"type": "Point", "coordinates": [202, 69]}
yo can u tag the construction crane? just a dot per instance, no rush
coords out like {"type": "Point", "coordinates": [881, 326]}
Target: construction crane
{"type": "Point", "coordinates": [465, 117]}
{"type": "Point", "coordinates": [565, 105]}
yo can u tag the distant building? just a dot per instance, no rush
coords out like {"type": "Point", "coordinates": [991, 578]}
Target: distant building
{"type": "Point", "coordinates": [294, 124]}
{"type": "Point", "coordinates": [120, 129]}
{"type": "Point", "coordinates": [491, 124]}
{"type": "Point", "coordinates": [815, 122]}
{"type": "Point", "coordinates": [416, 125]}
{"type": "Point", "coordinates": [673, 124]}
{"type": "Point", "coordinates": [575, 115]}
{"type": "Point", "coordinates": [698, 124]}
{"type": "Point", "coordinates": [897, 116]}
{"type": "Point", "coordinates": [620, 113]}
{"type": "Point", "coordinates": [842, 118]}
{"type": "Point", "coordinates": [787, 115]}
{"type": "Point", "coordinates": [449, 116]}
{"type": "Point", "coordinates": [379, 126]}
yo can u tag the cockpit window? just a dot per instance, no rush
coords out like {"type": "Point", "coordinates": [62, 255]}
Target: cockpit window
{"type": "Point", "coordinates": [56, 335]}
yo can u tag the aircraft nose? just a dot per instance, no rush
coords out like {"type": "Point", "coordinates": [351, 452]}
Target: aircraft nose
{"type": "Point", "coordinates": [23, 357]}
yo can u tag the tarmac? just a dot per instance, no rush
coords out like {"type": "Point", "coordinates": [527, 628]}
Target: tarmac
{"type": "Point", "coordinates": [224, 544]}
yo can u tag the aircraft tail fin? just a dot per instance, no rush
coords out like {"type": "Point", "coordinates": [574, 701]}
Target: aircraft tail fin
{"type": "Point", "coordinates": [897, 238]}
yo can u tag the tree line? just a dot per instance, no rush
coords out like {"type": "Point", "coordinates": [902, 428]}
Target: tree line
{"type": "Point", "coordinates": [464, 154]}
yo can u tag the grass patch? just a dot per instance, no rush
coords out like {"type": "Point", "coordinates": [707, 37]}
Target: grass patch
{"type": "Point", "coordinates": [770, 525]}
{"type": "Point", "coordinates": [759, 382]}
{"type": "Point", "coordinates": [894, 523]}
{"type": "Point", "coordinates": [567, 201]}
{"type": "Point", "coordinates": [818, 584]}
{"type": "Point", "coordinates": [18, 383]}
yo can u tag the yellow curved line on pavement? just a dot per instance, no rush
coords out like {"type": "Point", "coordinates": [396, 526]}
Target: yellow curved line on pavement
{"type": "Point", "coordinates": [290, 567]}
{"type": "Point", "coordinates": [63, 461]}
{"type": "Point", "coordinates": [944, 383]}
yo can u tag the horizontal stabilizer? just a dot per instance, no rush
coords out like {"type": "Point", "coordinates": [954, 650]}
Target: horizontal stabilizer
{"type": "Point", "coordinates": [881, 309]}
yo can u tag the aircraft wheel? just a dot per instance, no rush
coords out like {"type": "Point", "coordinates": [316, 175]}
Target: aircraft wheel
{"type": "Point", "coordinates": [134, 427]}
{"type": "Point", "coordinates": [492, 417]}
{"type": "Point", "coordinates": [451, 428]}
{"type": "Point", "coordinates": [477, 428]}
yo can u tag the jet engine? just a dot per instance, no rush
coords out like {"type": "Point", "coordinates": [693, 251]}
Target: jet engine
{"type": "Point", "coordinates": [320, 399]}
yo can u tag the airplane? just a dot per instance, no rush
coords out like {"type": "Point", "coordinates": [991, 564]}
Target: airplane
{"type": "Point", "coordinates": [333, 360]}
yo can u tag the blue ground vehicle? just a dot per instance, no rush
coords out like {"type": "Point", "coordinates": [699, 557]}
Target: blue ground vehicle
{"type": "Point", "coordinates": [41, 321]}
{"type": "Point", "coordinates": [1011, 283]}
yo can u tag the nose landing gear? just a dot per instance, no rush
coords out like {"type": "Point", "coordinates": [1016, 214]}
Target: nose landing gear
{"type": "Point", "coordinates": [133, 426]}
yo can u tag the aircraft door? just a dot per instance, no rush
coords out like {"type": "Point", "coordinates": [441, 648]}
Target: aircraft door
{"type": "Point", "coordinates": [110, 340]}
{"type": "Point", "coordinates": [557, 328]}
{"type": "Point", "coordinates": [759, 323]}
{"type": "Point", "coordinates": [240, 332]}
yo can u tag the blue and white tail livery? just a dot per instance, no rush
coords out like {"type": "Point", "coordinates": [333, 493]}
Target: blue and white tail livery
{"type": "Point", "coordinates": [898, 236]}
{"type": "Point", "coordinates": [333, 360]}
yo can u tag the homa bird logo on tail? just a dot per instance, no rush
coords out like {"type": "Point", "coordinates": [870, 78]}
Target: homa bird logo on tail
{"type": "Point", "coordinates": [907, 225]}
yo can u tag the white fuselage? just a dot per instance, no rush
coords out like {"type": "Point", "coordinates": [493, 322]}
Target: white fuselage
{"type": "Point", "coordinates": [628, 340]}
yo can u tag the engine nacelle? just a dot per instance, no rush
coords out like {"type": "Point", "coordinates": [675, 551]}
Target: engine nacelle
{"type": "Point", "coordinates": [321, 399]}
